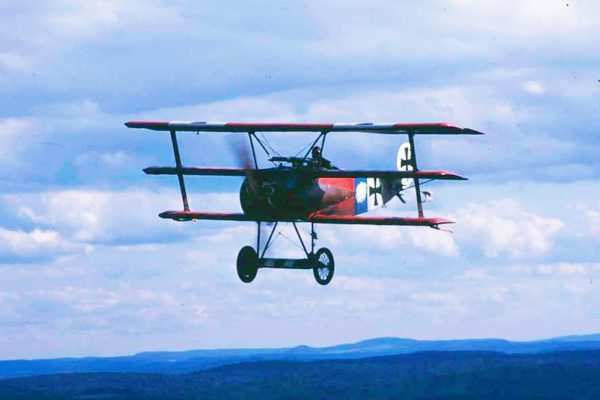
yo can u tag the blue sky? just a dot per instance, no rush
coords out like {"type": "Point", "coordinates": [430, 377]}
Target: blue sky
{"type": "Point", "coordinates": [87, 267]}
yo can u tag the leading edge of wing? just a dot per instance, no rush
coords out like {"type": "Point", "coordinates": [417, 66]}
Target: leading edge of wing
{"type": "Point", "coordinates": [390, 221]}
{"type": "Point", "coordinates": [320, 219]}
{"type": "Point", "coordinates": [440, 128]}
{"type": "Point", "coordinates": [309, 173]}
{"type": "Point", "coordinates": [215, 216]}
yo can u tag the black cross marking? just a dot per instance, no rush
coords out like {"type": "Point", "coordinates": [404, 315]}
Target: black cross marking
{"type": "Point", "coordinates": [408, 160]}
{"type": "Point", "coordinates": [376, 190]}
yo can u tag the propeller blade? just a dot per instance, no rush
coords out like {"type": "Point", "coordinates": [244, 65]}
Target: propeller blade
{"type": "Point", "coordinates": [241, 150]}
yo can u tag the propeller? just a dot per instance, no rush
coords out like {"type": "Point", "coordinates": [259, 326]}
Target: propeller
{"type": "Point", "coordinates": [243, 155]}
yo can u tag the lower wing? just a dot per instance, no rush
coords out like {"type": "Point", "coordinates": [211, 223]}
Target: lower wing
{"type": "Point", "coordinates": [320, 219]}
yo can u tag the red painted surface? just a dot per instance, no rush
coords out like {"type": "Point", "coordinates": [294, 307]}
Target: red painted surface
{"type": "Point", "coordinates": [350, 220]}
{"type": "Point", "coordinates": [345, 207]}
{"type": "Point", "coordinates": [342, 183]}
{"type": "Point", "coordinates": [273, 125]}
{"type": "Point", "coordinates": [317, 217]}
{"type": "Point", "coordinates": [394, 128]}
{"type": "Point", "coordinates": [439, 174]}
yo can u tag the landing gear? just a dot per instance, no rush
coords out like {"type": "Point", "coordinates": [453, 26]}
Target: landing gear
{"type": "Point", "coordinates": [250, 260]}
{"type": "Point", "coordinates": [324, 268]}
{"type": "Point", "coordinates": [247, 264]}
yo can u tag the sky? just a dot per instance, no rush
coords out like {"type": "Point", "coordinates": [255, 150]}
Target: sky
{"type": "Point", "coordinates": [88, 268]}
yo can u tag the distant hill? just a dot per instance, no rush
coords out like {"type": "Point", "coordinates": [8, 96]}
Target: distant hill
{"type": "Point", "coordinates": [198, 360]}
{"type": "Point", "coordinates": [424, 375]}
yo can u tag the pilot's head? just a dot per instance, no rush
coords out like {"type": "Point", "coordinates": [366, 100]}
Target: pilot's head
{"type": "Point", "coordinates": [316, 153]}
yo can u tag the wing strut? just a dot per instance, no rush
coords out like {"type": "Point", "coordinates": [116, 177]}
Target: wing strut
{"type": "Point", "coordinates": [321, 137]}
{"type": "Point", "coordinates": [184, 198]}
{"type": "Point", "coordinates": [250, 136]}
{"type": "Point", "coordinates": [413, 161]}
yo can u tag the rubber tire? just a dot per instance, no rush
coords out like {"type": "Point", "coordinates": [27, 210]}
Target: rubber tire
{"type": "Point", "coordinates": [331, 266]}
{"type": "Point", "coordinates": [247, 261]}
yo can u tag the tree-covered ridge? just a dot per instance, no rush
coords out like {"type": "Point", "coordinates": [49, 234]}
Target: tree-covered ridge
{"type": "Point", "coordinates": [426, 375]}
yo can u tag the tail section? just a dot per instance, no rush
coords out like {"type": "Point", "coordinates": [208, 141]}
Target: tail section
{"type": "Point", "coordinates": [404, 163]}
{"type": "Point", "coordinates": [371, 193]}
{"type": "Point", "coordinates": [393, 187]}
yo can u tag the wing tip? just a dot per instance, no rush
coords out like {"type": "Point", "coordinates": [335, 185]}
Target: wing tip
{"type": "Point", "coordinates": [464, 131]}
{"type": "Point", "coordinates": [174, 215]}
{"type": "Point", "coordinates": [469, 131]}
{"type": "Point", "coordinates": [147, 124]}
{"type": "Point", "coordinates": [440, 221]}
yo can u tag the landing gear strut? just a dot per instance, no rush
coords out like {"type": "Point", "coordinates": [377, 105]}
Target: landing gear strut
{"type": "Point", "coordinates": [249, 260]}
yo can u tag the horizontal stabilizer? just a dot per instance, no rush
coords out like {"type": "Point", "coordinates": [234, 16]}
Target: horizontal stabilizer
{"type": "Point", "coordinates": [385, 128]}
{"type": "Point", "coordinates": [308, 173]}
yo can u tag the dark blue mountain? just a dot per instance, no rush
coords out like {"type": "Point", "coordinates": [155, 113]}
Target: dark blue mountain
{"type": "Point", "coordinates": [166, 362]}
{"type": "Point", "coordinates": [423, 375]}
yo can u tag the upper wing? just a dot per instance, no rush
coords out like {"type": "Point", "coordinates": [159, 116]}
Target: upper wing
{"type": "Point", "coordinates": [309, 173]}
{"type": "Point", "coordinates": [389, 128]}
{"type": "Point", "coordinates": [321, 219]}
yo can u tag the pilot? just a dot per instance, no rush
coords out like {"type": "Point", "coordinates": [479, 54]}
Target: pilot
{"type": "Point", "coordinates": [319, 160]}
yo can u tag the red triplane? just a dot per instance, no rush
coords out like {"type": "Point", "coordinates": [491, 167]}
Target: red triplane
{"type": "Point", "coordinates": [308, 188]}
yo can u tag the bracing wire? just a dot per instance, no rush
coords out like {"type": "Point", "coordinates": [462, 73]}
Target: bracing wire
{"type": "Point", "coordinates": [269, 144]}
{"type": "Point", "coordinates": [303, 149]}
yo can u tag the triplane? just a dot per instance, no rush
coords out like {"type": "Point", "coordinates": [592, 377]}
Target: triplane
{"type": "Point", "coordinates": [307, 188]}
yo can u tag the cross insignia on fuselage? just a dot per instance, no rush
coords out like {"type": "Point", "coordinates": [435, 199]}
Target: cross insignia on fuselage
{"type": "Point", "coordinates": [375, 191]}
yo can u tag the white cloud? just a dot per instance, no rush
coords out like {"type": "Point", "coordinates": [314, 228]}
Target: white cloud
{"type": "Point", "coordinates": [56, 26]}
{"type": "Point", "coordinates": [534, 87]}
{"type": "Point", "coordinates": [505, 226]}
{"type": "Point", "coordinates": [563, 268]}
{"type": "Point", "coordinates": [14, 133]}
{"type": "Point", "coordinates": [17, 244]}
{"type": "Point", "coordinates": [106, 216]}
{"type": "Point", "coordinates": [457, 28]}
{"type": "Point", "coordinates": [148, 283]}
{"type": "Point", "coordinates": [108, 159]}
{"type": "Point", "coordinates": [391, 240]}
{"type": "Point", "coordinates": [14, 62]}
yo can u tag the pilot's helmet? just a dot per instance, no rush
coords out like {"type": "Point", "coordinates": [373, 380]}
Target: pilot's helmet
{"type": "Point", "coordinates": [316, 152]}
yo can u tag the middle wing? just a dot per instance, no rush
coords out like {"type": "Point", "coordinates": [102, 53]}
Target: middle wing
{"type": "Point", "coordinates": [308, 173]}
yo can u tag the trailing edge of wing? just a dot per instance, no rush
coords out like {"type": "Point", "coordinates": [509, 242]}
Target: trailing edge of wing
{"type": "Point", "coordinates": [309, 173]}
{"type": "Point", "coordinates": [321, 219]}
{"type": "Point", "coordinates": [393, 221]}
{"type": "Point", "coordinates": [195, 171]}
{"type": "Point", "coordinates": [216, 216]}
{"type": "Point", "coordinates": [385, 128]}
{"type": "Point", "coordinates": [440, 174]}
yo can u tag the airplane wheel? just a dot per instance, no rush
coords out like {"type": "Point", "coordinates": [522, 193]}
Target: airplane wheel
{"type": "Point", "coordinates": [324, 271]}
{"type": "Point", "coordinates": [247, 261]}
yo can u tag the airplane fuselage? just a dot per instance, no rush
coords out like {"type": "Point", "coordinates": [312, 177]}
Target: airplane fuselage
{"type": "Point", "coordinates": [293, 196]}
